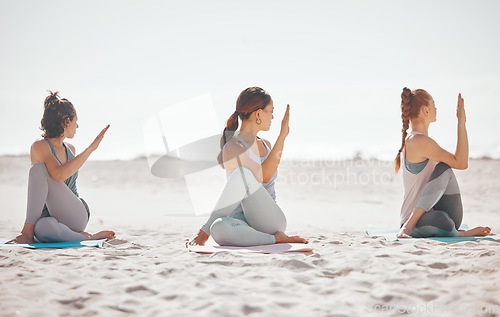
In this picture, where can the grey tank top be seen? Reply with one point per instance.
(269, 186)
(70, 181)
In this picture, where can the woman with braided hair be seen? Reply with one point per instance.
(246, 212)
(432, 205)
(55, 212)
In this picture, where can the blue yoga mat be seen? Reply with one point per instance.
(57, 245)
(391, 235)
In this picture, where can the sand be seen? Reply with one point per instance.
(147, 270)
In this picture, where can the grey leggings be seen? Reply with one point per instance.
(442, 202)
(263, 216)
(68, 214)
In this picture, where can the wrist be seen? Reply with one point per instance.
(88, 151)
(281, 138)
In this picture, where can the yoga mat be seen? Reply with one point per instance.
(57, 245)
(211, 247)
(391, 235)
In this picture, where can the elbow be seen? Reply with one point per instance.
(58, 178)
(266, 179)
(461, 166)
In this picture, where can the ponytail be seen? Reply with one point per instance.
(227, 134)
(249, 100)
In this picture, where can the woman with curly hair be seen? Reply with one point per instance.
(432, 204)
(246, 213)
(55, 212)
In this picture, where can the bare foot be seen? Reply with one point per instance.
(100, 235)
(281, 237)
(477, 231)
(21, 239)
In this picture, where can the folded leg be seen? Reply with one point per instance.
(61, 202)
(435, 223)
(48, 229)
(235, 232)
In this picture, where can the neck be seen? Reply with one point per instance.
(57, 142)
(420, 126)
(249, 128)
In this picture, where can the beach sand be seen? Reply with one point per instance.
(147, 271)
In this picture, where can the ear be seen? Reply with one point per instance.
(67, 121)
(257, 113)
(425, 111)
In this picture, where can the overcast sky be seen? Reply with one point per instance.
(340, 64)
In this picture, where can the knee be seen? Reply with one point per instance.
(441, 168)
(45, 229)
(249, 177)
(38, 168)
(443, 221)
(220, 232)
(242, 170)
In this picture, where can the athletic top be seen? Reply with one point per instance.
(269, 186)
(70, 181)
(414, 182)
(415, 168)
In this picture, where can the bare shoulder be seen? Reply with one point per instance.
(419, 140)
(71, 147)
(39, 145)
(267, 142)
(233, 146)
(39, 149)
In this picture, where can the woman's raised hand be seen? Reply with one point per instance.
(94, 145)
(200, 239)
(284, 123)
(460, 110)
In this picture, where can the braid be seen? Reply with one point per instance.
(406, 98)
(227, 134)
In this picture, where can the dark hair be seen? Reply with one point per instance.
(56, 112)
(249, 100)
(411, 102)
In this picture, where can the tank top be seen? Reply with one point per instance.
(413, 183)
(70, 181)
(269, 186)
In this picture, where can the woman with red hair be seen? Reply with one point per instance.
(432, 204)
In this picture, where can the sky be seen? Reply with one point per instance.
(341, 65)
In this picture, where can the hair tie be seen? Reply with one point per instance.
(236, 113)
(399, 151)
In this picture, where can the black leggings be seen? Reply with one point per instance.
(442, 203)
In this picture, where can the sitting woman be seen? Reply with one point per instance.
(55, 213)
(246, 212)
(432, 204)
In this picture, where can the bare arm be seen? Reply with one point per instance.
(429, 148)
(40, 152)
(270, 165)
(409, 225)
